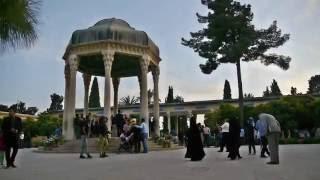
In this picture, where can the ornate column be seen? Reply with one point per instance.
(86, 82)
(144, 64)
(66, 99)
(169, 122)
(115, 82)
(155, 75)
(108, 57)
(73, 67)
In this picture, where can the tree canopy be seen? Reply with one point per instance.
(18, 21)
(314, 85)
(230, 37)
(56, 102)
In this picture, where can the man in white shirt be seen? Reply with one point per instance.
(144, 135)
(225, 135)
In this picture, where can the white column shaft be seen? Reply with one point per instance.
(86, 82)
(155, 74)
(144, 63)
(73, 65)
(108, 60)
(66, 100)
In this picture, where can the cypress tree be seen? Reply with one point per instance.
(275, 90)
(94, 99)
(266, 93)
(227, 90)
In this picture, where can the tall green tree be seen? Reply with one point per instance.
(56, 102)
(293, 91)
(178, 99)
(227, 90)
(231, 37)
(314, 85)
(266, 93)
(18, 21)
(275, 90)
(170, 97)
(94, 98)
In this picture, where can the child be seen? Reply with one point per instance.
(2, 149)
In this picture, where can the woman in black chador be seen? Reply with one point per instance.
(234, 139)
(194, 144)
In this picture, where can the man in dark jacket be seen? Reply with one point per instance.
(249, 132)
(119, 120)
(11, 129)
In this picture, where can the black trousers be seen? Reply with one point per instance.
(224, 141)
(11, 143)
(264, 143)
(251, 144)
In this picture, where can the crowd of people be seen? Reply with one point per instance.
(132, 134)
(230, 134)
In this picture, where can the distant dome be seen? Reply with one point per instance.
(113, 30)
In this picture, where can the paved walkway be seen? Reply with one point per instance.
(297, 162)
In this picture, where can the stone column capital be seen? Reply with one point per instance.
(155, 70)
(73, 62)
(108, 57)
(144, 63)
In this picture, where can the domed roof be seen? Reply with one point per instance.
(113, 30)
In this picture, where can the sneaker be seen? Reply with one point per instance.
(82, 157)
(13, 165)
(263, 156)
(89, 156)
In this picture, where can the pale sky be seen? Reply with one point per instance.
(31, 75)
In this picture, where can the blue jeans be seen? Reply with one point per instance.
(145, 142)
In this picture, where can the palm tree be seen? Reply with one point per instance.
(127, 100)
(18, 20)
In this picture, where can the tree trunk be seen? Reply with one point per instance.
(240, 92)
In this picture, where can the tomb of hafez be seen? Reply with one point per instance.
(111, 49)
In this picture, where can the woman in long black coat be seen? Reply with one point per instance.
(234, 139)
(194, 143)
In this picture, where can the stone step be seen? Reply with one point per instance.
(114, 143)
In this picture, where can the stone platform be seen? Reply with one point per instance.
(297, 162)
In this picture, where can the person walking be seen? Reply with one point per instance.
(103, 137)
(194, 144)
(234, 139)
(206, 135)
(249, 133)
(11, 128)
(261, 126)
(273, 134)
(225, 136)
(84, 130)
